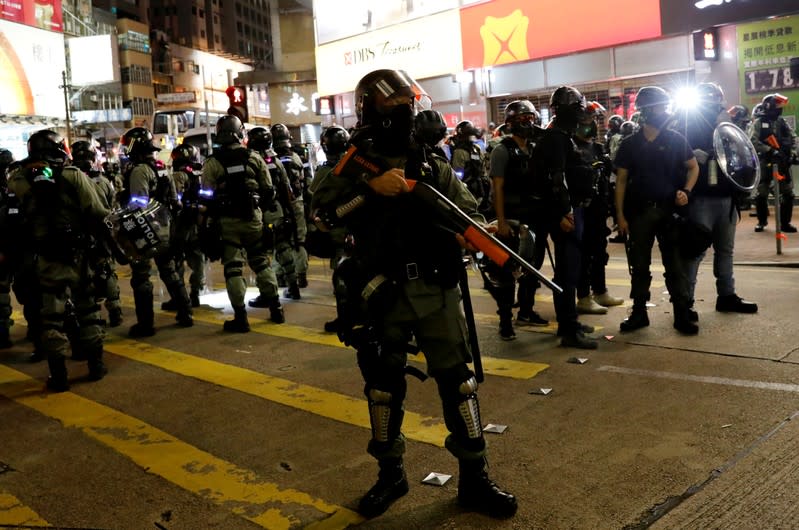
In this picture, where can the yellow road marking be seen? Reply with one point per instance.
(14, 513)
(194, 470)
(324, 403)
(491, 365)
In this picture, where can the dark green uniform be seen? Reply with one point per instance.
(760, 129)
(239, 179)
(107, 282)
(296, 174)
(280, 215)
(186, 230)
(62, 213)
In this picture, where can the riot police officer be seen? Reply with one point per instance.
(187, 174)
(242, 190)
(145, 179)
(298, 171)
(430, 130)
(614, 128)
(278, 217)
(62, 208)
(86, 158)
(9, 246)
(566, 191)
(597, 167)
(739, 115)
(335, 141)
(775, 142)
(410, 266)
(655, 173)
(712, 203)
(515, 198)
(468, 162)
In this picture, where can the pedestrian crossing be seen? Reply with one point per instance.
(228, 485)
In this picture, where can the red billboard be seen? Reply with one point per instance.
(509, 31)
(44, 14)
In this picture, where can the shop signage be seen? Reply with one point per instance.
(686, 16)
(176, 97)
(765, 50)
(31, 62)
(509, 31)
(291, 103)
(42, 14)
(425, 47)
(102, 115)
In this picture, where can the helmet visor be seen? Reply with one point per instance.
(399, 89)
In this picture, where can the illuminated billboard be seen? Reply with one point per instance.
(509, 31)
(31, 62)
(42, 14)
(685, 16)
(102, 68)
(425, 47)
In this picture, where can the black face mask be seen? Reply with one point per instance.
(774, 113)
(392, 136)
(587, 130)
(657, 120)
(522, 129)
(567, 118)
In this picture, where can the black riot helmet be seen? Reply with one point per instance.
(429, 127)
(386, 102)
(757, 111)
(281, 135)
(773, 104)
(229, 130)
(739, 115)
(567, 105)
(334, 141)
(711, 97)
(520, 118)
(138, 143)
(627, 128)
(260, 139)
(653, 102)
(84, 155)
(184, 155)
(465, 129)
(614, 123)
(48, 146)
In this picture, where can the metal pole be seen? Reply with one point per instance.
(66, 88)
(775, 172)
(207, 118)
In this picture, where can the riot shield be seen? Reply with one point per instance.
(141, 232)
(736, 156)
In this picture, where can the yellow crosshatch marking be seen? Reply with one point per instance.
(193, 469)
(14, 513)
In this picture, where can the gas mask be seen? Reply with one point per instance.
(656, 120)
(522, 126)
(392, 135)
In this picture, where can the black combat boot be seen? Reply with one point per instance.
(276, 311)
(169, 305)
(239, 324)
(734, 304)
(786, 214)
(302, 280)
(57, 382)
(94, 359)
(682, 320)
(194, 297)
(638, 318)
(331, 326)
(115, 317)
(391, 485)
(5, 338)
(144, 315)
(184, 318)
(477, 492)
(761, 207)
(292, 292)
(260, 301)
(281, 281)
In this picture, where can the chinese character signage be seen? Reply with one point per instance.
(765, 50)
(686, 16)
(31, 62)
(509, 31)
(43, 14)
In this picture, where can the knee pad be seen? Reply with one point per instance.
(385, 408)
(457, 387)
(233, 269)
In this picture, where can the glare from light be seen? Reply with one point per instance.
(686, 98)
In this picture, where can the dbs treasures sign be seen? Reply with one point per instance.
(685, 16)
(425, 47)
(508, 31)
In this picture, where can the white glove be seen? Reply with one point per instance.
(701, 156)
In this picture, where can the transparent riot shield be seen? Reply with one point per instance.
(736, 156)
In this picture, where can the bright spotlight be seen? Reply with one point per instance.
(686, 98)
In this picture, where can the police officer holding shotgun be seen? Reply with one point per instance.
(404, 269)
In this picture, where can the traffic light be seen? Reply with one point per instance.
(238, 102)
(706, 45)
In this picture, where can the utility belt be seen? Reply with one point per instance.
(240, 207)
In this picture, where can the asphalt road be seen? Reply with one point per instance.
(196, 428)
